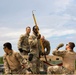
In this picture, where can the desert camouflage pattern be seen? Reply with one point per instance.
(68, 57)
(59, 70)
(24, 44)
(34, 49)
(13, 63)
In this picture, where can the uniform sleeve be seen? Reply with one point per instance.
(20, 58)
(6, 66)
(59, 53)
(32, 41)
(20, 41)
(48, 48)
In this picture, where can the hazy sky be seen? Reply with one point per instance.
(56, 20)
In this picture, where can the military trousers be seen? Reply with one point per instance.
(59, 70)
(34, 65)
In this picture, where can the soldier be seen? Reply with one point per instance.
(13, 61)
(69, 57)
(34, 51)
(23, 45)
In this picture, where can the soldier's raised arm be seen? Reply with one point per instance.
(32, 40)
(59, 52)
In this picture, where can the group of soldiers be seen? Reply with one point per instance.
(29, 45)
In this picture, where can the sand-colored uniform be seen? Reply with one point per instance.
(13, 63)
(68, 67)
(34, 49)
(24, 44)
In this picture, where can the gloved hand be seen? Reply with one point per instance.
(30, 57)
(39, 36)
(43, 54)
(20, 49)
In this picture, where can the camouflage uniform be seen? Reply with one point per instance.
(68, 67)
(34, 49)
(23, 44)
(13, 63)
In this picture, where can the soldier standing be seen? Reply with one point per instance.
(34, 41)
(23, 45)
(13, 61)
(69, 57)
